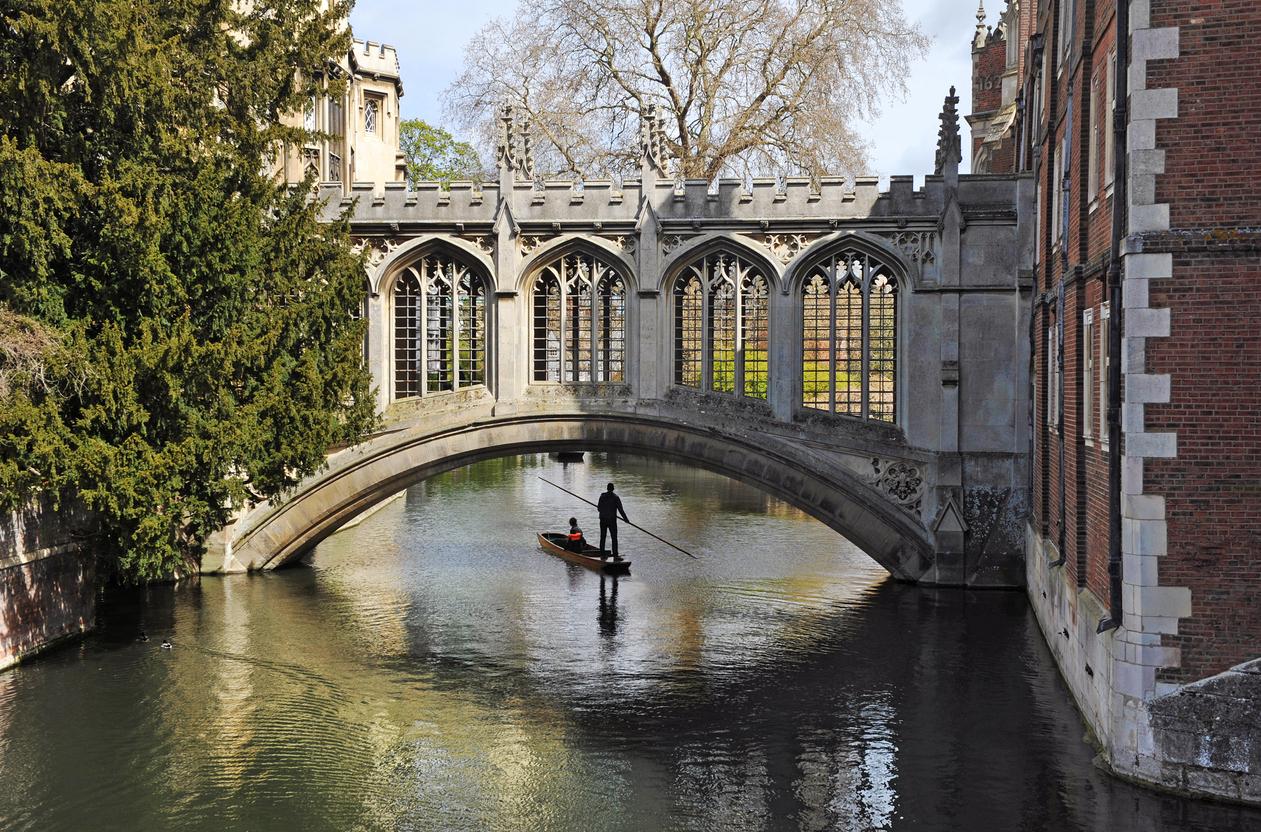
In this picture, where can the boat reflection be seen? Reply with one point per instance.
(608, 607)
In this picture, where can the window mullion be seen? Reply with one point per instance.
(422, 312)
(864, 292)
(596, 308)
(833, 296)
(707, 335)
(738, 347)
(457, 327)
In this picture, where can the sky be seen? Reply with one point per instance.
(431, 36)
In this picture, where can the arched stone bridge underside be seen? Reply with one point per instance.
(860, 353)
(858, 481)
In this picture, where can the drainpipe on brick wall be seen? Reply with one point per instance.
(1116, 318)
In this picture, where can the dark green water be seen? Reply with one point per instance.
(431, 669)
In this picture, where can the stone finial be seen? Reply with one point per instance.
(652, 140)
(525, 147)
(949, 149)
(982, 31)
(503, 143)
(514, 150)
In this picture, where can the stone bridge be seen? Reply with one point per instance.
(858, 352)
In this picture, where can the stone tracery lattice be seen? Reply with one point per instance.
(849, 336)
(721, 326)
(439, 315)
(579, 321)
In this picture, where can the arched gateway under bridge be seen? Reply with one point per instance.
(854, 351)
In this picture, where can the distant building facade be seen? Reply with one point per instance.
(355, 134)
(1144, 535)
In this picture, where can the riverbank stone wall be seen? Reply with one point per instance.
(47, 580)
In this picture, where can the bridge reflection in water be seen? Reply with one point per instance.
(432, 669)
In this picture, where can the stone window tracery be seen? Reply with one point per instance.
(439, 327)
(579, 319)
(849, 337)
(721, 325)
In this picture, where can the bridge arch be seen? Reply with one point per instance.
(574, 244)
(579, 319)
(714, 242)
(719, 313)
(417, 247)
(868, 305)
(437, 319)
(359, 477)
(863, 241)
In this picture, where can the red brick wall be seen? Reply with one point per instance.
(988, 65)
(1213, 488)
(1213, 149)
(1213, 155)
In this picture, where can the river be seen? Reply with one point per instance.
(431, 669)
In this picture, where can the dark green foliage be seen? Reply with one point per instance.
(434, 155)
(176, 327)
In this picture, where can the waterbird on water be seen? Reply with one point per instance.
(166, 644)
(143, 636)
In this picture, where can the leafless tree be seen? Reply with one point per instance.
(745, 85)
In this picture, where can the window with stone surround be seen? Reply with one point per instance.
(439, 326)
(721, 325)
(579, 321)
(1056, 193)
(1092, 165)
(1104, 362)
(372, 107)
(754, 332)
(1087, 372)
(1109, 134)
(850, 337)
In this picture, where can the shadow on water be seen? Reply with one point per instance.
(432, 669)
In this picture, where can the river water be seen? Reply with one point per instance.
(432, 669)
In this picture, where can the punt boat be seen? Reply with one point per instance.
(554, 543)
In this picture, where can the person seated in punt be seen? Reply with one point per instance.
(574, 541)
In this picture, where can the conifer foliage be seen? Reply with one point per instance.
(177, 329)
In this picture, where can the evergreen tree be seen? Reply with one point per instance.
(180, 332)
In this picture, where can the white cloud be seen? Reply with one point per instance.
(431, 36)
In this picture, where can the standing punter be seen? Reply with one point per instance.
(610, 506)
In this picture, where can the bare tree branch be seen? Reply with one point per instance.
(776, 84)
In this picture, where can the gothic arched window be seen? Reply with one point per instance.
(721, 322)
(579, 316)
(439, 327)
(849, 337)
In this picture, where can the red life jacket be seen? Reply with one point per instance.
(575, 536)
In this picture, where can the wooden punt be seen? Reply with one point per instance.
(554, 543)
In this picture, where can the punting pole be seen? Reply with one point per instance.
(627, 522)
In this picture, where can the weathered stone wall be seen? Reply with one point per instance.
(1201, 738)
(47, 582)
(1208, 734)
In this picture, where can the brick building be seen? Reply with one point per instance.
(1144, 536)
